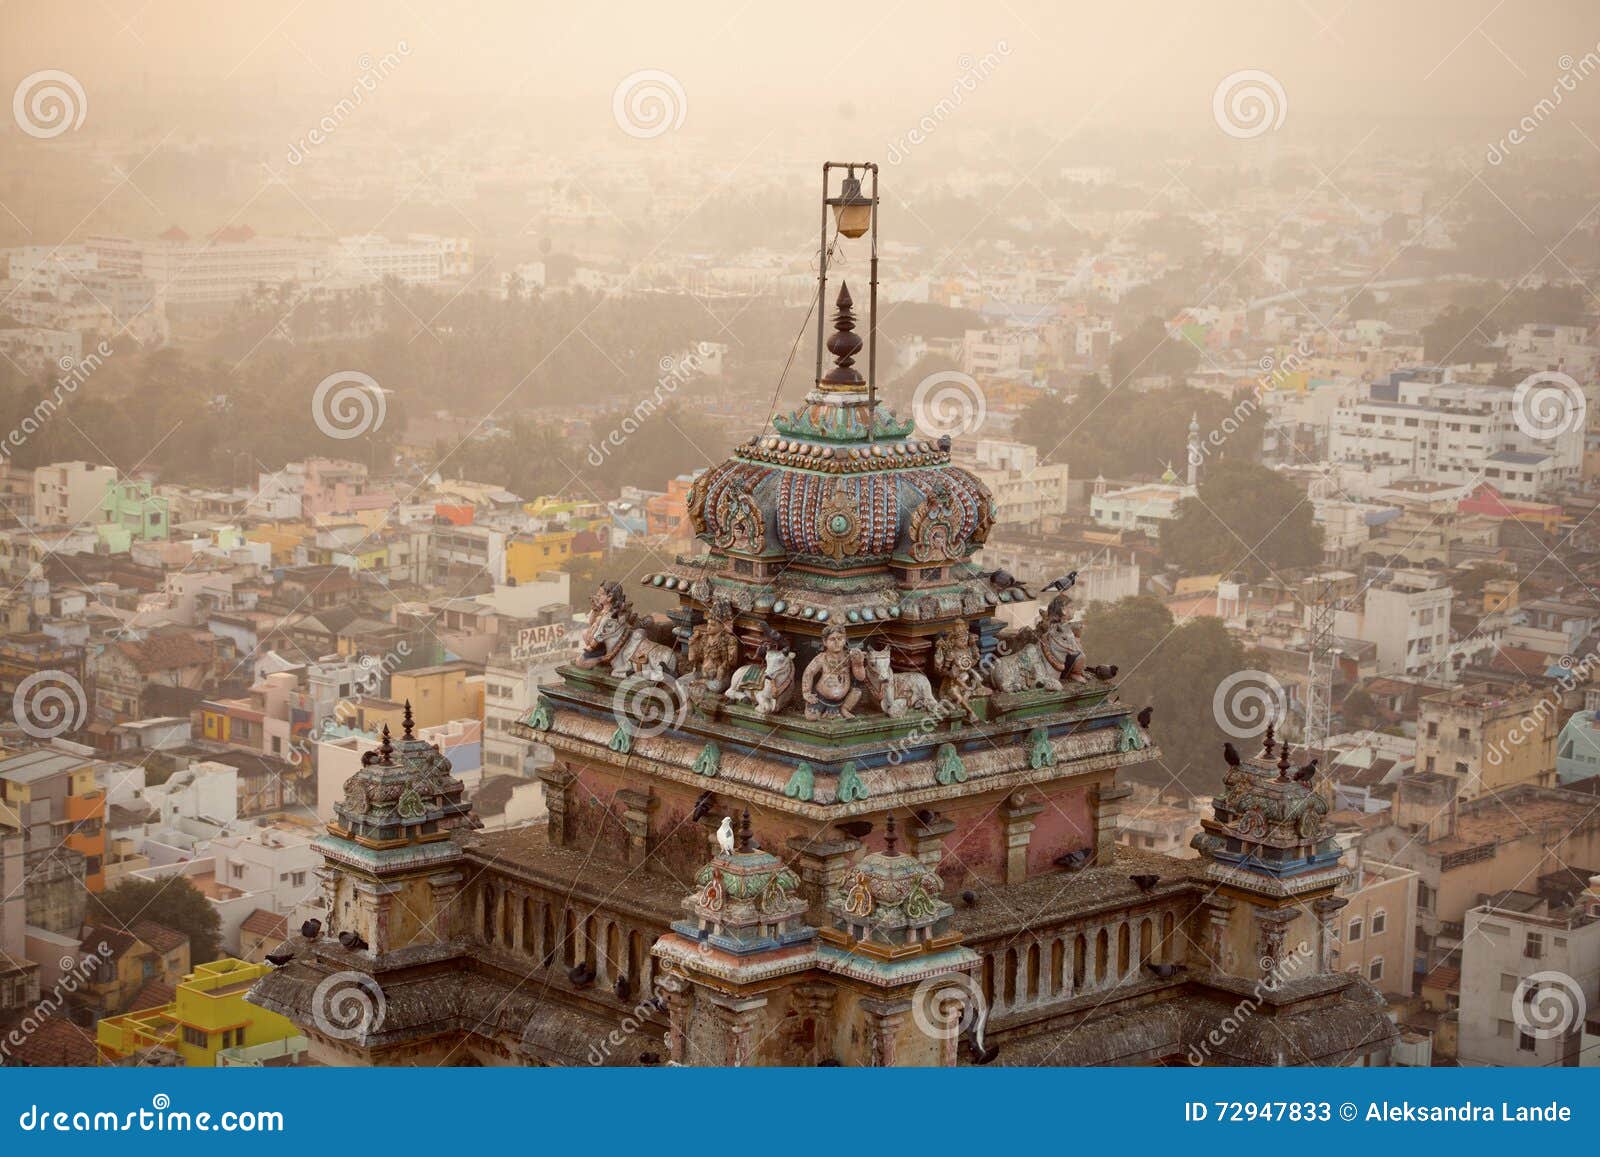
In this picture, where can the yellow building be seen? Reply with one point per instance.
(439, 694)
(208, 1015)
(530, 555)
(282, 538)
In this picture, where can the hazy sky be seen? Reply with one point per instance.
(749, 69)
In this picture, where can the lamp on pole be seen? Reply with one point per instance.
(855, 215)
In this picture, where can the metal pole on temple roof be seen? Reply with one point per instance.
(872, 319)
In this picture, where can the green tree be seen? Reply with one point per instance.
(1149, 351)
(1245, 518)
(1175, 669)
(173, 902)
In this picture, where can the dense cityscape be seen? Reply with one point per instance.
(498, 595)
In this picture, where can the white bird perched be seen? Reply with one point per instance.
(725, 835)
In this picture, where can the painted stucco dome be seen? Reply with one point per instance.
(842, 482)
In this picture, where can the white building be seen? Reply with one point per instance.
(1024, 490)
(1144, 507)
(1529, 971)
(1407, 617)
(69, 493)
(1445, 431)
(510, 686)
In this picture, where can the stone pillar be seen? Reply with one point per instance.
(1214, 935)
(1017, 815)
(884, 1018)
(445, 890)
(636, 809)
(951, 1002)
(1272, 926)
(927, 840)
(1107, 803)
(740, 1017)
(816, 999)
(1326, 911)
(558, 779)
(514, 941)
(1091, 958)
(677, 992)
(821, 865)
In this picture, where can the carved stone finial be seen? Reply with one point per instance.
(1266, 747)
(406, 723)
(385, 747)
(744, 831)
(844, 344)
(889, 837)
(1283, 763)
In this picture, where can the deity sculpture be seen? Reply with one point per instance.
(610, 624)
(1059, 642)
(830, 686)
(955, 661)
(713, 651)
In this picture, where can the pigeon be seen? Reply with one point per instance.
(1104, 674)
(1065, 582)
(279, 959)
(311, 929)
(1145, 881)
(352, 941)
(970, 899)
(725, 836)
(582, 976)
(925, 817)
(1230, 753)
(702, 806)
(1144, 717)
(983, 1054)
(1074, 861)
(1307, 772)
(944, 442)
(1165, 971)
(649, 1058)
(855, 829)
(624, 989)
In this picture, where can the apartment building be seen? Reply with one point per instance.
(70, 493)
(1488, 739)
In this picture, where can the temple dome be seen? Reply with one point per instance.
(842, 482)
